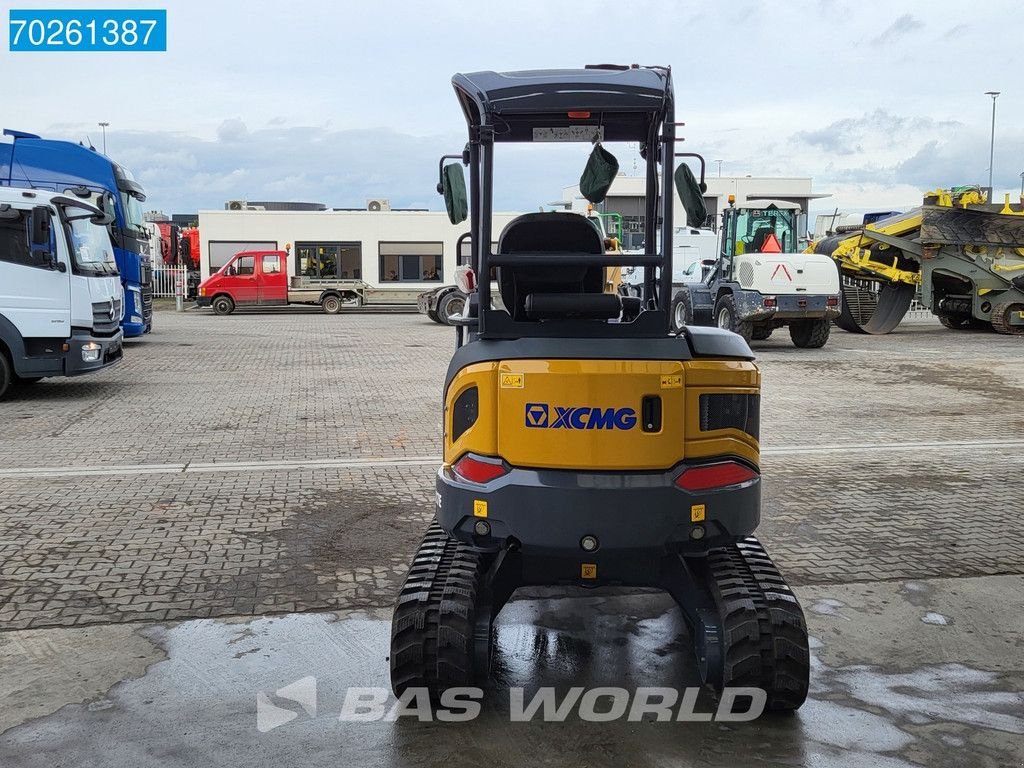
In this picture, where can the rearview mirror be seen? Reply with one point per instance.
(708, 263)
(41, 225)
(453, 187)
(690, 195)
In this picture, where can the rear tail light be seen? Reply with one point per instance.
(770, 301)
(714, 476)
(832, 301)
(479, 469)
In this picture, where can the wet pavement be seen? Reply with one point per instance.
(890, 687)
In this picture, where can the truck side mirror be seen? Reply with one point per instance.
(41, 222)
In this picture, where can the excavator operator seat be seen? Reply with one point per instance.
(536, 292)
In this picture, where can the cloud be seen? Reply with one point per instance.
(854, 135)
(903, 26)
(183, 173)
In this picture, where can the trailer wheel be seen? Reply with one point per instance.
(725, 317)
(331, 304)
(810, 334)
(223, 305)
(6, 374)
(450, 307)
(682, 314)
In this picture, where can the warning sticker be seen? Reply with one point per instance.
(697, 513)
(479, 508)
(672, 382)
(588, 570)
(512, 380)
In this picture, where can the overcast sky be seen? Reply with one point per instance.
(340, 101)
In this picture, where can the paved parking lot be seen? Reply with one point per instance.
(272, 463)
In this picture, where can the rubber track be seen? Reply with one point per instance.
(432, 626)
(1000, 314)
(764, 633)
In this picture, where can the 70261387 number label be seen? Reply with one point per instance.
(87, 30)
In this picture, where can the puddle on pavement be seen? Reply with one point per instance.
(199, 705)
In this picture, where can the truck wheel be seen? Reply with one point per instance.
(681, 313)
(6, 375)
(450, 307)
(223, 305)
(761, 332)
(331, 304)
(810, 334)
(725, 317)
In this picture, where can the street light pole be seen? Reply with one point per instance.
(103, 127)
(719, 168)
(992, 143)
(1022, 185)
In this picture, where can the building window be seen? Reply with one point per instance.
(221, 251)
(329, 261)
(411, 262)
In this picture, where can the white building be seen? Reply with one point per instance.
(391, 249)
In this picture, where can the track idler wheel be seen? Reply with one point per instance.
(763, 635)
(440, 633)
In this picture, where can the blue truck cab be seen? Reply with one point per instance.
(27, 160)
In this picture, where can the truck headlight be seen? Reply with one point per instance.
(202, 290)
(91, 352)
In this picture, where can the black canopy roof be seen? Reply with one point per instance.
(626, 101)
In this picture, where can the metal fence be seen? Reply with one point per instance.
(166, 279)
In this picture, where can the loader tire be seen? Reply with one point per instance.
(6, 374)
(682, 312)
(726, 317)
(432, 630)
(810, 334)
(761, 332)
(1001, 314)
(764, 635)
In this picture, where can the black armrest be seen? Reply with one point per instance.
(588, 306)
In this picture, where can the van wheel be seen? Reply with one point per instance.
(810, 334)
(6, 375)
(682, 314)
(725, 317)
(450, 307)
(223, 305)
(331, 304)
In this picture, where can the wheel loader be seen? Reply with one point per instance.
(585, 443)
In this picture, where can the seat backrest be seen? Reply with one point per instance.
(546, 233)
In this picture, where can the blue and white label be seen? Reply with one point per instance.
(545, 416)
(87, 30)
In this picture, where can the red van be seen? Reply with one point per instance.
(260, 279)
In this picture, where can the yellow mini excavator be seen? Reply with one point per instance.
(585, 444)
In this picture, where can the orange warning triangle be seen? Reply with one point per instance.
(771, 244)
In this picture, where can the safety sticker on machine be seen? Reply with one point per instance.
(697, 513)
(672, 382)
(588, 570)
(512, 380)
(479, 508)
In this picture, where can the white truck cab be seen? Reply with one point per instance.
(61, 300)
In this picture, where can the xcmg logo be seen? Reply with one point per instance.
(544, 416)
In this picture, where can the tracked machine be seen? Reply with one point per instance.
(585, 444)
(962, 256)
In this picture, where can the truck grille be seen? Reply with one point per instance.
(106, 315)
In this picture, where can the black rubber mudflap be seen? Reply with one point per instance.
(764, 636)
(433, 624)
(893, 301)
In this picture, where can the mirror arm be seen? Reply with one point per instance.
(440, 169)
(703, 185)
